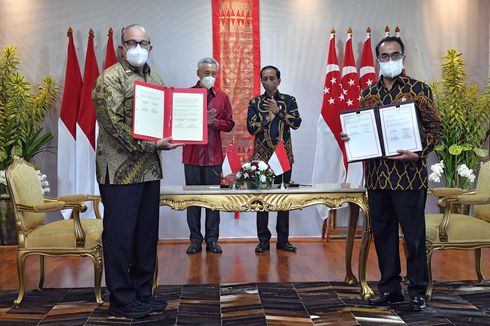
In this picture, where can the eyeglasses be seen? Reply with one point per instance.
(133, 43)
(385, 57)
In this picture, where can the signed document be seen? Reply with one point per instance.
(400, 128)
(363, 132)
(380, 132)
(149, 108)
(180, 113)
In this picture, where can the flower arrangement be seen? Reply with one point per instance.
(467, 177)
(255, 174)
(464, 110)
(3, 183)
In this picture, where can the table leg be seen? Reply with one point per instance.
(366, 291)
(350, 279)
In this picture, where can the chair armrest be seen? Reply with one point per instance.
(51, 206)
(96, 201)
(445, 192)
(473, 199)
(79, 198)
(74, 198)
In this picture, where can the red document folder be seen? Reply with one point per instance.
(170, 128)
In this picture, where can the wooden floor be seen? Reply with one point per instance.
(315, 261)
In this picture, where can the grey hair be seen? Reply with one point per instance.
(131, 26)
(204, 61)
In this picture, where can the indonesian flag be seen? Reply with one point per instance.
(231, 163)
(352, 95)
(110, 55)
(367, 75)
(85, 172)
(279, 161)
(67, 162)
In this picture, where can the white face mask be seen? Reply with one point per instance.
(137, 56)
(391, 68)
(208, 81)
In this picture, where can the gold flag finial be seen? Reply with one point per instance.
(91, 32)
(69, 32)
(332, 31)
(349, 30)
(368, 30)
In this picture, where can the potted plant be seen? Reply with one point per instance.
(21, 117)
(465, 113)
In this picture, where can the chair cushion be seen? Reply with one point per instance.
(61, 234)
(462, 228)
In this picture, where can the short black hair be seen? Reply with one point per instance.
(278, 73)
(390, 39)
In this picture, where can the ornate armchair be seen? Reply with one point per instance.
(72, 237)
(460, 231)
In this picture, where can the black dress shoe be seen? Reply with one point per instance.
(213, 247)
(133, 310)
(262, 246)
(387, 298)
(155, 303)
(194, 248)
(287, 247)
(418, 303)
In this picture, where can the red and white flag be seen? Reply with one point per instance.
(231, 163)
(352, 95)
(279, 161)
(86, 180)
(328, 165)
(67, 162)
(110, 54)
(350, 81)
(367, 74)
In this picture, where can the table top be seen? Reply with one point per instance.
(299, 189)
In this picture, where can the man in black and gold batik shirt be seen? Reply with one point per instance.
(128, 173)
(397, 186)
(270, 119)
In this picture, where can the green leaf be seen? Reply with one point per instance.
(439, 147)
(466, 147)
(455, 149)
(480, 152)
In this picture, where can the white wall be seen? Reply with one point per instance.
(294, 37)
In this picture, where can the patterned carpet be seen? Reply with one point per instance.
(319, 303)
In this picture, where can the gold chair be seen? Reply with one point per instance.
(72, 237)
(460, 231)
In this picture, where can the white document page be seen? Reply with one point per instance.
(187, 115)
(363, 133)
(400, 129)
(148, 111)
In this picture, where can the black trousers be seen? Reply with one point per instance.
(388, 209)
(202, 175)
(130, 237)
(282, 225)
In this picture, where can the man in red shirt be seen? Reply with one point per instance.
(202, 163)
